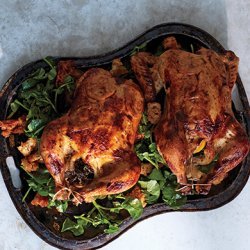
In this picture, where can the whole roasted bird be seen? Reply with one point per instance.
(89, 151)
(197, 129)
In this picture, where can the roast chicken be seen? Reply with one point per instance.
(197, 128)
(89, 150)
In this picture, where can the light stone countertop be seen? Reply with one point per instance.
(30, 30)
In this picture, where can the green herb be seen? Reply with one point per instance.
(61, 206)
(151, 189)
(136, 49)
(77, 228)
(207, 168)
(133, 206)
(162, 184)
(157, 175)
(38, 97)
(145, 148)
(172, 198)
(69, 85)
(52, 72)
(42, 182)
(100, 215)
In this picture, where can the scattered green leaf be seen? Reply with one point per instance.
(136, 49)
(61, 206)
(207, 168)
(173, 198)
(76, 228)
(108, 215)
(145, 148)
(151, 189)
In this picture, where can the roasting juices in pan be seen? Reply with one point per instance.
(107, 142)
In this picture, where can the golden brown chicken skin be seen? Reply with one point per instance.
(197, 111)
(89, 151)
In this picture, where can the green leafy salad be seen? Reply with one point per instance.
(38, 98)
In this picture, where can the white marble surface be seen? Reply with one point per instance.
(32, 29)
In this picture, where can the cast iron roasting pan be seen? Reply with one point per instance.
(220, 195)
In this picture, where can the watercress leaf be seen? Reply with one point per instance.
(42, 178)
(69, 80)
(34, 125)
(134, 207)
(59, 91)
(115, 209)
(159, 158)
(82, 222)
(151, 189)
(77, 231)
(61, 206)
(49, 61)
(162, 183)
(29, 83)
(170, 177)
(172, 198)
(68, 224)
(100, 218)
(112, 229)
(52, 74)
(157, 175)
(152, 147)
(34, 112)
(75, 228)
(144, 119)
(39, 74)
(43, 192)
(49, 86)
(14, 106)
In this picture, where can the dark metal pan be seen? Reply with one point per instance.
(219, 196)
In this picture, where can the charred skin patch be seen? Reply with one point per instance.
(101, 139)
(118, 120)
(80, 136)
(115, 186)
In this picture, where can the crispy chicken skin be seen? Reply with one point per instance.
(99, 132)
(197, 107)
